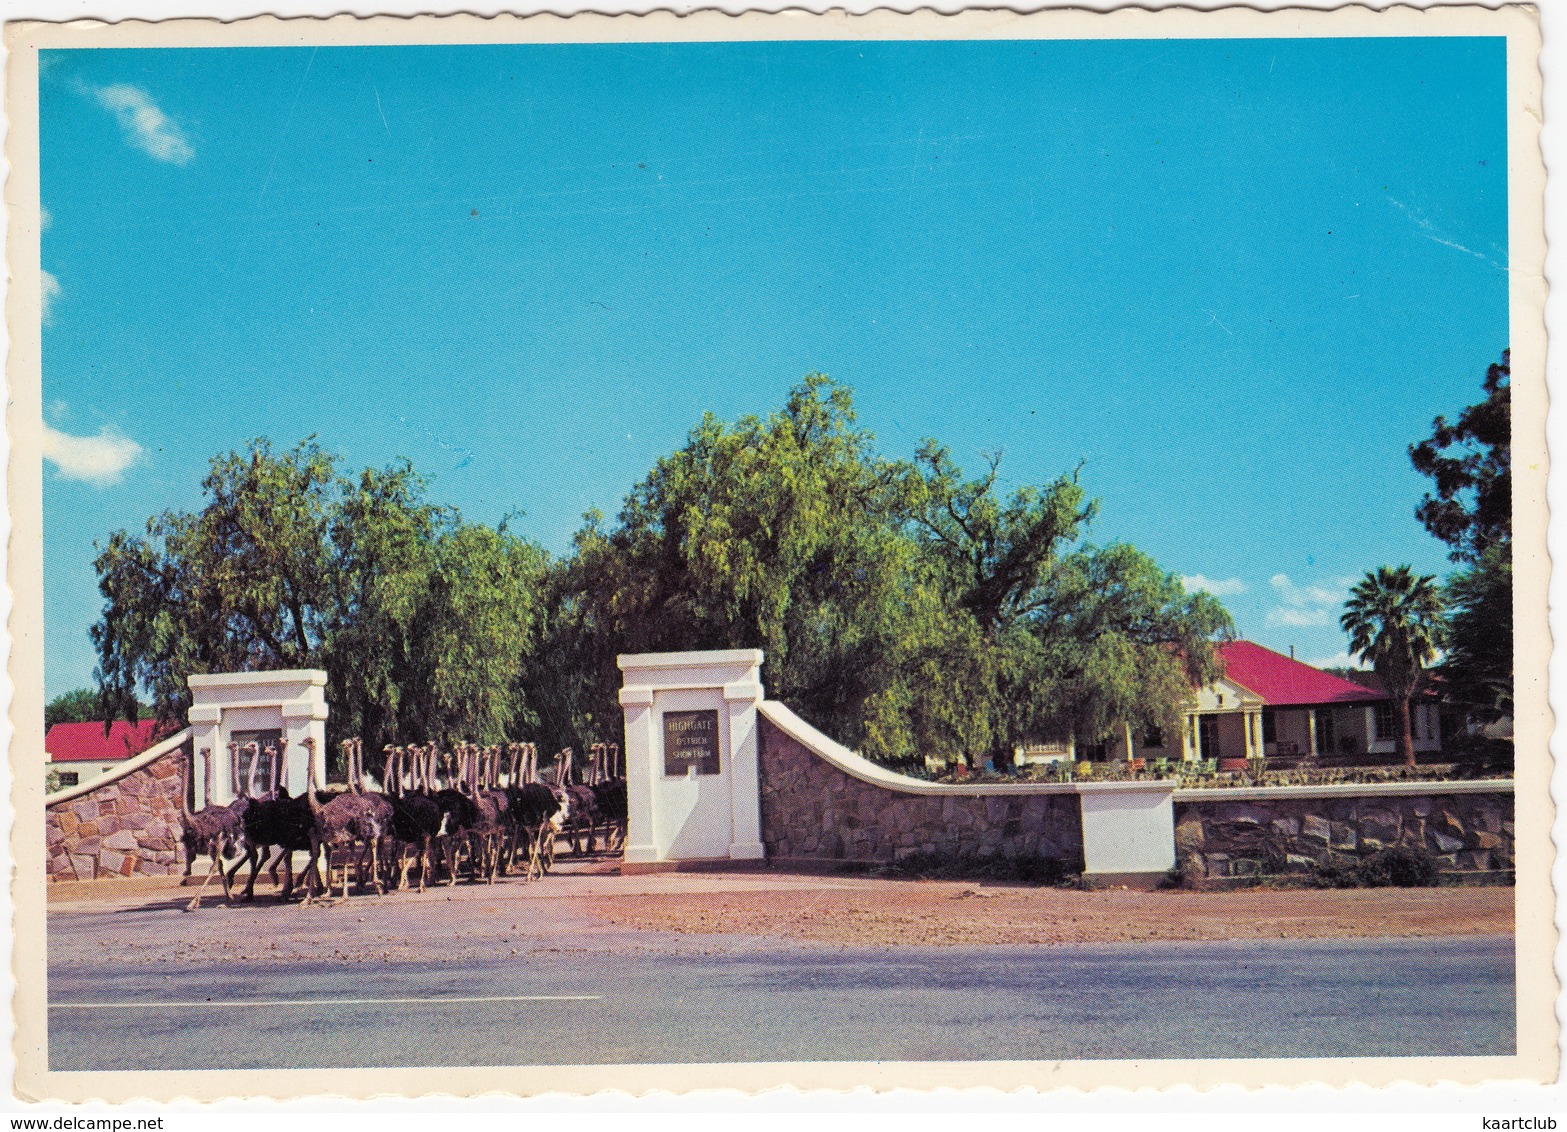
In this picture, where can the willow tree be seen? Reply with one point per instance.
(1080, 639)
(771, 532)
(419, 619)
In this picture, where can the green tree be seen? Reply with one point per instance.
(1470, 461)
(1124, 642)
(474, 628)
(79, 705)
(419, 619)
(773, 533)
(1079, 639)
(994, 552)
(903, 609)
(245, 584)
(1477, 669)
(1471, 510)
(1394, 620)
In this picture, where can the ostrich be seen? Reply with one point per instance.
(282, 822)
(537, 812)
(344, 821)
(416, 819)
(461, 815)
(278, 791)
(609, 794)
(584, 806)
(378, 804)
(489, 793)
(485, 828)
(214, 831)
(513, 789)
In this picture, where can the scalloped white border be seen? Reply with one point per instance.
(1181, 1076)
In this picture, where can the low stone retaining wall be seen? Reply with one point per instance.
(811, 810)
(125, 825)
(1465, 830)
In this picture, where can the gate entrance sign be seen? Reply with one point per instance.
(690, 743)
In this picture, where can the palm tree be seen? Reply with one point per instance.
(1394, 620)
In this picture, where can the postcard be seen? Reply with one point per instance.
(663, 553)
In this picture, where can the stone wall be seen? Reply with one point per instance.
(127, 827)
(811, 810)
(1464, 832)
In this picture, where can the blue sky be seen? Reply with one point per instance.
(1237, 277)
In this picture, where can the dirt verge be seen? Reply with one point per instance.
(942, 913)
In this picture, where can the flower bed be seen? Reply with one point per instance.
(1188, 779)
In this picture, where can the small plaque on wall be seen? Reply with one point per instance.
(690, 740)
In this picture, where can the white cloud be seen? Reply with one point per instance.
(1310, 605)
(1337, 660)
(50, 288)
(99, 460)
(1302, 618)
(1334, 592)
(146, 126)
(1219, 587)
(45, 218)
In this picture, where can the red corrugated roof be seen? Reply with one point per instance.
(86, 742)
(1284, 682)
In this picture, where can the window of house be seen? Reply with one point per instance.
(69, 778)
(1154, 737)
(1270, 729)
(1386, 725)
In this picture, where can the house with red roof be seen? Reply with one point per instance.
(1271, 705)
(78, 752)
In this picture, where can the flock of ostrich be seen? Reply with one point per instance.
(483, 811)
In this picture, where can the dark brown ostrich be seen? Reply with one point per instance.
(416, 820)
(489, 794)
(609, 793)
(485, 829)
(213, 831)
(378, 805)
(584, 806)
(344, 822)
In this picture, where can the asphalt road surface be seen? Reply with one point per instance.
(615, 997)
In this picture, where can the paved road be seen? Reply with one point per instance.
(763, 1001)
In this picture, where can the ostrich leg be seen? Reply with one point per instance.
(195, 901)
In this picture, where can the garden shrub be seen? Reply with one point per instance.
(939, 866)
(1400, 867)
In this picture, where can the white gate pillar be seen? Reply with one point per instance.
(692, 779)
(226, 706)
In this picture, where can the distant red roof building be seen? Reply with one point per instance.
(86, 742)
(1282, 681)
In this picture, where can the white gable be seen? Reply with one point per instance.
(1225, 695)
